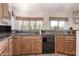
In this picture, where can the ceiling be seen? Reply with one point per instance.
(24, 8)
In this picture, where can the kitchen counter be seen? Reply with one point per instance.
(21, 34)
(68, 34)
(6, 38)
(64, 34)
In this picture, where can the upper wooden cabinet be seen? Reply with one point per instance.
(4, 12)
(1, 11)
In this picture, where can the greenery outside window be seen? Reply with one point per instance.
(57, 25)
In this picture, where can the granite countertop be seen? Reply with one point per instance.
(65, 34)
(6, 38)
(26, 34)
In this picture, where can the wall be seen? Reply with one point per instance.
(13, 19)
(45, 15)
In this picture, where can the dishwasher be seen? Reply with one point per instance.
(48, 44)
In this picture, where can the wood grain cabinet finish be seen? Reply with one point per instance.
(1, 10)
(16, 45)
(59, 44)
(69, 48)
(4, 48)
(10, 47)
(5, 52)
(26, 46)
(4, 11)
(31, 44)
(37, 47)
(66, 44)
(70, 45)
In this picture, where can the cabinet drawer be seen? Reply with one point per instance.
(67, 37)
(73, 38)
(36, 40)
(70, 37)
(31, 37)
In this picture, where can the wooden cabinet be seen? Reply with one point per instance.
(37, 47)
(4, 48)
(59, 44)
(1, 11)
(66, 44)
(26, 46)
(69, 48)
(10, 47)
(23, 45)
(31, 44)
(70, 45)
(4, 12)
(5, 52)
(16, 45)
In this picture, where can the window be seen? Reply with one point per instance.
(57, 25)
(33, 25)
(39, 25)
(61, 25)
(29, 25)
(25, 25)
(54, 25)
(36, 25)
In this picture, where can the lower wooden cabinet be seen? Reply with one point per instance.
(26, 46)
(59, 44)
(23, 45)
(4, 47)
(70, 48)
(5, 52)
(16, 45)
(31, 44)
(10, 47)
(66, 44)
(37, 47)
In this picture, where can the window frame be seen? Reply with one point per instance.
(29, 24)
(57, 23)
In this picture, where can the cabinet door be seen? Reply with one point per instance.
(16, 45)
(5, 52)
(37, 47)
(59, 44)
(70, 48)
(10, 47)
(26, 46)
(1, 10)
